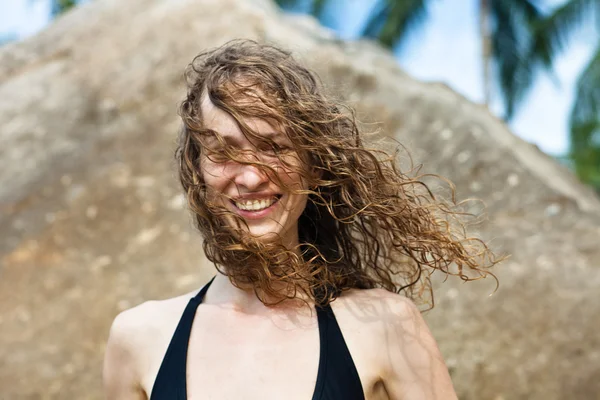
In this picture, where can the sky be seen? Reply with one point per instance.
(445, 49)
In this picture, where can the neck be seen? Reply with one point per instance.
(292, 241)
(223, 293)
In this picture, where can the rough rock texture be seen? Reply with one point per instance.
(92, 221)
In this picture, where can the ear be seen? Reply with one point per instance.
(315, 174)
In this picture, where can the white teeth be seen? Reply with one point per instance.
(255, 205)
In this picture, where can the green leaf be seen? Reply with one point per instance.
(585, 124)
(512, 42)
(61, 6)
(317, 7)
(285, 3)
(565, 20)
(393, 20)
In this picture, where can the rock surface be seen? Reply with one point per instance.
(92, 221)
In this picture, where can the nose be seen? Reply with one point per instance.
(250, 177)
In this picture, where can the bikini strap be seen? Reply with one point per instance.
(171, 382)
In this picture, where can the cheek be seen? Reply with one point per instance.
(295, 181)
(213, 174)
(215, 180)
(292, 175)
(291, 179)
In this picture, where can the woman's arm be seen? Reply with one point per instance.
(120, 370)
(414, 367)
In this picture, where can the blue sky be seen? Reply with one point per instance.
(445, 49)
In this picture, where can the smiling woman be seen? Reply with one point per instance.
(312, 235)
(267, 207)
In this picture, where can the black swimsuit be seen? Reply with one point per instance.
(337, 378)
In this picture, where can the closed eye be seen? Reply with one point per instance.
(274, 148)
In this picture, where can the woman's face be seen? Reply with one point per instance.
(268, 209)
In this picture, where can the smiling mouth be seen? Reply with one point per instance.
(256, 204)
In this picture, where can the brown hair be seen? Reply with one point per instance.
(366, 224)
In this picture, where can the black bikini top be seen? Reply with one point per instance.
(337, 377)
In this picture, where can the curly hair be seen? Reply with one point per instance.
(366, 224)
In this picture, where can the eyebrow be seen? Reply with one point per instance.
(231, 140)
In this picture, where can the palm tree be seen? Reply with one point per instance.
(508, 40)
(60, 6)
(518, 41)
(584, 120)
(584, 124)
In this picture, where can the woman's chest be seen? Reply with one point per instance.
(279, 360)
(253, 359)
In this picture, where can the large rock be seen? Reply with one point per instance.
(92, 221)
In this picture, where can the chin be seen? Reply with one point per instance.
(268, 234)
(265, 236)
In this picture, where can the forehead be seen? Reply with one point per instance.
(220, 121)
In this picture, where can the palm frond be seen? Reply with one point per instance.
(512, 49)
(539, 47)
(317, 7)
(60, 6)
(392, 20)
(285, 3)
(376, 20)
(565, 20)
(585, 123)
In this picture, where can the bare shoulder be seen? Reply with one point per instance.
(384, 316)
(409, 359)
(399, 318)
(379, 306)
(133, 327)
(137, 341)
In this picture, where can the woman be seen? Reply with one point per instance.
(313, 237)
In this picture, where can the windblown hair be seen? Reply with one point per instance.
(366, 223)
